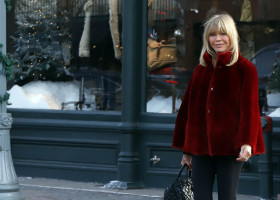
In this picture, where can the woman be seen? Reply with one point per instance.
(218, 125)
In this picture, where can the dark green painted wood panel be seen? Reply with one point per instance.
(67, 152)
(88, 149)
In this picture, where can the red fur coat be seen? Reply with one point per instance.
(220, 111)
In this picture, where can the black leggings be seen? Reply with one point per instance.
(204, 169)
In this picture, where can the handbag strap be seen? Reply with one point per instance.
(188, 171)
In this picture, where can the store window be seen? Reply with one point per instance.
(175, 39)
(67, 54)
(167, 73)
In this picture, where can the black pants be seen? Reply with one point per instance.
(204, 170)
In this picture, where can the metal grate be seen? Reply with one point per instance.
(74, 7)
(23, 8)
(163, 9)
(100, 7)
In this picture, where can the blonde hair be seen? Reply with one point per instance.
(220, 23)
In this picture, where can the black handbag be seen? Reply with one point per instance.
(181, 188)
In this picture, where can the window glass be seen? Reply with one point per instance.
(67, 54)
(175, 41)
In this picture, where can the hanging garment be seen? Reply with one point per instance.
(246, 12)
(246, 31)
(114, 27)
(84, 47)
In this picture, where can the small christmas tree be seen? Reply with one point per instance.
(274, 80)
(40, 42)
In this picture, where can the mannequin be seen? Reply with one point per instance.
(114, 22)
(84, 47)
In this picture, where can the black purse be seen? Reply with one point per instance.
(181, 188)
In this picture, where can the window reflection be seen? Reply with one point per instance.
(167, 74)
(179, 23)
(67, 54)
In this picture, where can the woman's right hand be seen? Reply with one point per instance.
(187, 159)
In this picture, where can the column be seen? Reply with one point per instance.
(265, 161)
(9, 187)
(128, 161)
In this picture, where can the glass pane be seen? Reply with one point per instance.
(67, 54)
(167, 73)
(179, 23)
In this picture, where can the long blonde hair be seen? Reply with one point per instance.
(223, 23)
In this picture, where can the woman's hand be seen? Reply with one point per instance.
(245, 153)
(187, 159)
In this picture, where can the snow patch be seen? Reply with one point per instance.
(273, 99)
(160, 104)
(19, 99)
(275, 113)
(50, 95)
(47, 95)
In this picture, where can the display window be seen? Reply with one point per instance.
(174, 42)
(67, 54)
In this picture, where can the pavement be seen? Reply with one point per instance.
(54, 189)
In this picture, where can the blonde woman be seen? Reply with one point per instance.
(218, 125)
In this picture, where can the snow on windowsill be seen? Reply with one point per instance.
(46, 95)
(50, 95)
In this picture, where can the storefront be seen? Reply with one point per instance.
(98, 84)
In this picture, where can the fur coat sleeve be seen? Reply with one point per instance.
(181, 120)
(249, 128)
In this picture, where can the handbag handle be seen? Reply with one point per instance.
(188, 171)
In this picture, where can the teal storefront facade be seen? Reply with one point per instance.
(129, 145)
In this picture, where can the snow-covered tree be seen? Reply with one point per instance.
(274, 80)
(40, 42)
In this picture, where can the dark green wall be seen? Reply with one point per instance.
(85, 146)
(100, 146)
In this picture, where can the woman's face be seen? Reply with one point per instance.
(219, 41)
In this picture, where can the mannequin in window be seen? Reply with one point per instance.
(84, 47)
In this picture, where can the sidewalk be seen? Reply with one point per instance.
(52, 189)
